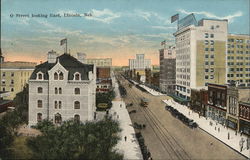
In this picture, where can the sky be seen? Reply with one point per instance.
(117, 29)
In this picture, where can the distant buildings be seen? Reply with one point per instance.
(167, 70)
(14, 76)
(100, 62)
(62, 88)
(140, 63)
(103, 81)
(238, 59)
(200, 54)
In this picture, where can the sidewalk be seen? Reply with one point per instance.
(149, 90)
(130, 148)
(215, 129)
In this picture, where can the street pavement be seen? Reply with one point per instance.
(222, 133)
(167, 137)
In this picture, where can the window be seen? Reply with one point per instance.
(77, 76)
(77, 118)
(39, 90)
(206, 35)
(40, 76)
(206, 76)
(55, 76)
(211, 42)
(206, 55)
(60, 105)
(56, 91)
(206, 49)
(77, 105)
(60, 90)
(206, 63)
(212, 63)
(12, 89)
(3, 74)
(58, 118)
(206, 42)
(39, 117)
(206, 70)
(211, 35)
(211, 49)
(55, 105)
(212, 56)
(12, 74)
(211, 76)
(3, 89)
(61, 76)
(77, 90)
(39, 103)
(211, 70)
(3, 81)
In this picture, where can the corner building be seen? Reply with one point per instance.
(238, 59)
(200, 55)
(60, 89)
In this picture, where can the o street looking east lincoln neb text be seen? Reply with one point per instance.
(51, 15)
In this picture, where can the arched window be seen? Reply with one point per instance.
(77, 76)
(60, 90)
(61, 76)
(58, 118)
(40, 90)
(60, 105)
(39, 103)
(39, 117)
(40, 76)
(55, 76)
(77, 118)
(77, 90)
(77, 105)
(56, 91)
(56, 105)
(247, 113)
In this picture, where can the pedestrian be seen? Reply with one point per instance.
(125, 138)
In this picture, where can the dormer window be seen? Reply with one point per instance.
(77, 76)
(55, 76)
(39, 76)
(61, 76)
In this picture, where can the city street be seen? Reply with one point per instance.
(166, 136)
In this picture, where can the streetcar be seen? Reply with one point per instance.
(144, 102)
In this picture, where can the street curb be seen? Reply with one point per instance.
(248, 158)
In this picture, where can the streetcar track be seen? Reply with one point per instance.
(152, 119)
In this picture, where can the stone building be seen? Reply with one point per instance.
(60, 89)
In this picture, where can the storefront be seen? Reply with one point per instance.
(232, 123)
(244, 126)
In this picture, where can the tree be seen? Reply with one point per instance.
(105, 98)
(6, 140)
(21, 103)
(76, 140)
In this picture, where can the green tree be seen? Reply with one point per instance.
(76, 140)
(21, 102)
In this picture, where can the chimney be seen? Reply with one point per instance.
(1, 56)
(52, 56)
(81, 57)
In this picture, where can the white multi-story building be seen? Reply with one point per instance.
(140, 63)
(200, 55)
(62, 88)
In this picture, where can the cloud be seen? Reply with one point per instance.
(164, 27)
(104, 16)
(56, 29)
(230, 18)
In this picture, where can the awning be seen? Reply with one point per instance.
(179, 99)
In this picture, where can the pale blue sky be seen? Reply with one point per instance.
(117, 29)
